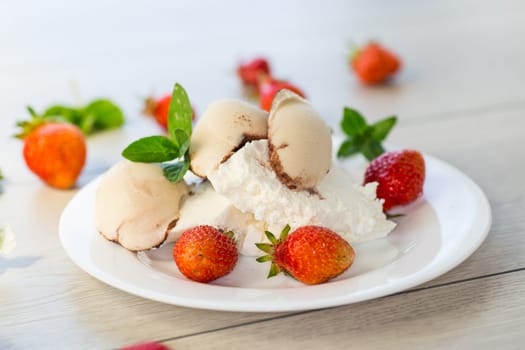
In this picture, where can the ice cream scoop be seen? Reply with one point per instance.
(225, 126)
(300, 143)
(136, 205)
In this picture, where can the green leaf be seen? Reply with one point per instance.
(175, 172)
(284, 232)
(270, 237)
(347, 149)
(179, 113)
(353, 122)
(151, 149)
(69, 114)
(264, 258)
(372, 149)
(106, 114)
(182, 140)
(274, 270)
(380, 130)
(265, 247)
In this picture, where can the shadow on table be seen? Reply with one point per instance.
(19, 262)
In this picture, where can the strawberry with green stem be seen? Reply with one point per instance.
(310, 254)
(54, 151)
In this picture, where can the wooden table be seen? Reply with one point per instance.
(460, 97)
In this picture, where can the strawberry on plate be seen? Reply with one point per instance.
(203, 253)
(269, 88)
(400, 176)
(310, 254)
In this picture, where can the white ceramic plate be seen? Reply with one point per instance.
(438, 232)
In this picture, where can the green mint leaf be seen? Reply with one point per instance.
(151, 149)
(179, 113)
(380, 129)
(182, 140)
(347, 149)
(353, 122)
(372, 149)
(106, 115)
(175, 172)
(69, 114)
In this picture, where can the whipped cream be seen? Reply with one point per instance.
(248, 182)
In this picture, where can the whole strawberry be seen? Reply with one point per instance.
(373, 64)
(203, 253)
(158, 108)
(269, 88)
(55, 151)
(311, 254)
(400, 176)
(250, 72)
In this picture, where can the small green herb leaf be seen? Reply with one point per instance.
(353, 122)
(381, 128)
(361, 137)
(175, 172)
(151, 149)
(106, 114)
(347, 149)
(182, 139)
(179, 112)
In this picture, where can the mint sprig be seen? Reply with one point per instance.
(362, 137)
(172, 150)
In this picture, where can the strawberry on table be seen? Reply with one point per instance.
(269, 88)
(374, 64)
(311, 254)
(158, 108)
(400, 176)
(203, 253)
(250, 72)
(55, 151)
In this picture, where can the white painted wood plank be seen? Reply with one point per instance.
(482, 314)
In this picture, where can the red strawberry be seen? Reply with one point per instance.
(311, 254)
(158, 108)
(250, 72)
(146, 346)
(400, 176)
(374, 64)
(54, 151)
(204, 253)
(269, 88)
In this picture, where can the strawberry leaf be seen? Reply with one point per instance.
(264, 258)
(265, 247)
(274, 270)
(151, 149)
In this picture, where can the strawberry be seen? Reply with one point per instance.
(55, 151)
(250, 72)
(269, 88)
(374, 64)
(146, 346)
(310, 254)
(203, 253)
(158, 108)
(400, 176)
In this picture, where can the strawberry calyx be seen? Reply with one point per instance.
(362, 137)
(27, 126)
(269, 249)
(150, 104)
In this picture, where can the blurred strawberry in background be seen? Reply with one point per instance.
(374, 64)
(158, 108)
